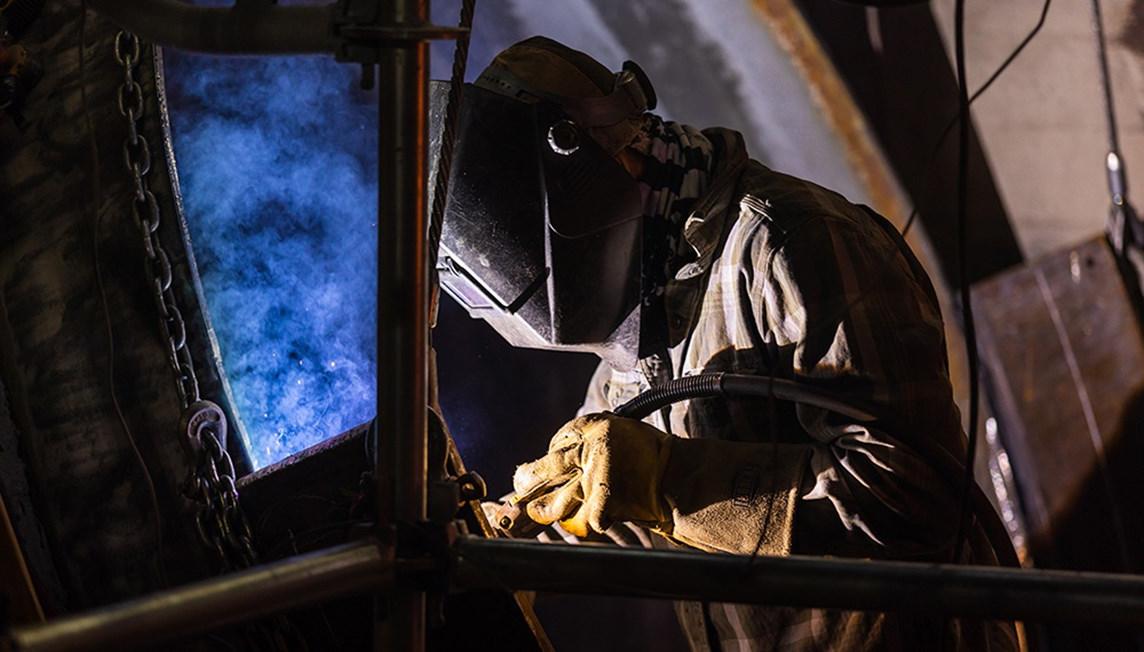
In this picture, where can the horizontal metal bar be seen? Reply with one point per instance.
(986, 592)
(262, 29)
(212, 604)
(400, 34)
(973, 591)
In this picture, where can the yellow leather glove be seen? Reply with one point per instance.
(600, 469)
(709, 494)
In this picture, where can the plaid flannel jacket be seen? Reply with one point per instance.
(790, 279)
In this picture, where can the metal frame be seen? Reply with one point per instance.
(394, 34)
(247, 28)
(271, 588)
(401, 445)
(477, 563)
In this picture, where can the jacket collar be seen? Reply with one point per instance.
(703, 232)
(703, 228)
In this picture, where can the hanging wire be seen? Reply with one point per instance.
(1105, 81)
(97, 256)
(1124, 227)
(1124, 231)
(449, 130)
(963, 274)
(973, 98)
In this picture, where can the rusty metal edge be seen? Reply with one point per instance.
(843, 116)
(206, 352)
(14, 575)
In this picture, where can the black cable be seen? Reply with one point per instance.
(1105, 79)
(709, 385)
(738, 386)
(963, 274)
(1124, 230)
(973, 98)
(1124, 227)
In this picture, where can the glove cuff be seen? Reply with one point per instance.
(735, 497)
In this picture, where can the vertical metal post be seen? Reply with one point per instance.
(402, 305)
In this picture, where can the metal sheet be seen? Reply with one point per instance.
(1065, 358)
(56, 177)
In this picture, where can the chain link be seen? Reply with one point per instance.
(219, 518)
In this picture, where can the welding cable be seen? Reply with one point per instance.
(711, 385)
(973, 98)
(739, 386)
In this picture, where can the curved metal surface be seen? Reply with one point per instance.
(73, 349)
(201, 336)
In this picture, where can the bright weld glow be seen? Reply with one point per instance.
(277, 163)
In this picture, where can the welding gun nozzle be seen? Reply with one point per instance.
(509, 515)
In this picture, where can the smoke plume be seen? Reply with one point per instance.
(277, 158)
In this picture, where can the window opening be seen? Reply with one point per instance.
(277, 163)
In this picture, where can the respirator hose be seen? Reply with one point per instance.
(749, 386)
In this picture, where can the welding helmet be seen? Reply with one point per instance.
(542, 230)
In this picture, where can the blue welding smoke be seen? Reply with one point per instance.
(277, 158)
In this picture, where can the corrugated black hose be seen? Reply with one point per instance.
(748, 386)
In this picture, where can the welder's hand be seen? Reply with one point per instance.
(600, 469)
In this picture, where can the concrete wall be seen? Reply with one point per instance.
(1042, 123)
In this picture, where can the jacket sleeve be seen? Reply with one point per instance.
(847, 308)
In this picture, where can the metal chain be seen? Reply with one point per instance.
(220, 520)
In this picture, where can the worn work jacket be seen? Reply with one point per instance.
(790, 279)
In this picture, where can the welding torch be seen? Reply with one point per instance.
(511, 519)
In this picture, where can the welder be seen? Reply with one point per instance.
(577, 219)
